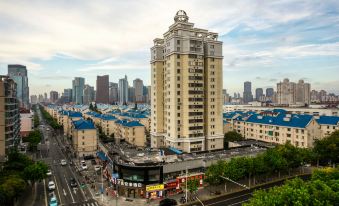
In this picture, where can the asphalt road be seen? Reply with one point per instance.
(238, 198)
(52, 152)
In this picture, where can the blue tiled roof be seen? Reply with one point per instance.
(300, 121)
(329, 120)
(108, 117)
(133, 124)
(83, 124)
(74, 114)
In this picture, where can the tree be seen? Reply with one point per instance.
(33, 138)
(327, 149)
(232, 136)
(17, 162)
(10, 189)
(192, 185)
(35, 172)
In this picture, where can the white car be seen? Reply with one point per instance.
(83, 166)
(63, 162)
(51, 185)
(49, 173)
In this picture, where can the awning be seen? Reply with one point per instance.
(102, 156)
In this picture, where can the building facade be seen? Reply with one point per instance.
(123, 91)
(84, 137)
(9, 116)
(186, 104)
(78, 90)
(19, 74)
(259, 92)
(67, 95)
(102, 94)
(303, 93)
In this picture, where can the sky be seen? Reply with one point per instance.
(264, 41)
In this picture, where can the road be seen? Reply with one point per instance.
(52, 152)
(238, 198)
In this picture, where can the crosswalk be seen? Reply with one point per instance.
(88, 203)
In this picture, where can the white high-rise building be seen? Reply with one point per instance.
(138, 86)
(186, 88)
(123, 91)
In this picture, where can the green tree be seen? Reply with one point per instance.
(17, 162)
(232, 136)
(35, 172)
(192, 185)
(327, 149)
(10, 189)
(33, 138)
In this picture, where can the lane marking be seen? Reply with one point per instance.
(69, 189)
(64, 192)
(239, 202)
(56, 184)
(229, 199)
(45, 191)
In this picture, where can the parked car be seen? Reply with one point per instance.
(97, 167)
(73, 182)
(53, 201)
(49, 173)
(83, 166)
(63, 162)
(51, 185)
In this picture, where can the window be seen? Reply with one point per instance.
(178, 78)
(288, 135)
(178, 85)
(178, 71)
(212, 66)
(178, 114)
(178, 63)
(178, 56)
(212, 46)
(178, 92)
(178, 41)
(83, 143)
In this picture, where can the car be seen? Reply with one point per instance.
(51, 185)
(83, 162)
(84, 166)
(49, 173)
(63, 162)
(168, 202)
(53, 201)
(97, 167)
(73, 182)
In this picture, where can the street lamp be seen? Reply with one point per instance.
(186, 183)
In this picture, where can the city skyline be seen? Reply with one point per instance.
(263, 42)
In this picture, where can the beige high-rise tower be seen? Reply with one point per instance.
(187, 88)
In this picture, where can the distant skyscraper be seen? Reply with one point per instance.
(303, 93)
(78, 90)
(131, 94)
(102, 92)
(113, 92)
(258, 93)
(186, 72)
(41, 98)
(226, 96)
(53, 96)
(34, 99)
(88, 94)
(286, 92)
(138, 86)
(67, 95)
(45, 97)
(247, 95)
(149, 94)
(19, 74)
(269, 92)
(123, 90)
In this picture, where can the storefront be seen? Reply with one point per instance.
(171, 188)
(155, 191)
(129, 189)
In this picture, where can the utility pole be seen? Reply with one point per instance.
(186, 183)
(102, 186)
(226, 178)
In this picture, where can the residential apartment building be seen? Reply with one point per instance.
(9, 116)
(186, 104)
(138, 86)
(78, 90)
(67, 95)
(84, 137)
(303, 93)
(102, 94)
(131, 131)
(279, 126)
(259, 93)
(290, 93)
(19, 74)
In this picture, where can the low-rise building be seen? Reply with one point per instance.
(132, 132)
(26, 121)
(84, 137)
(328, 124)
